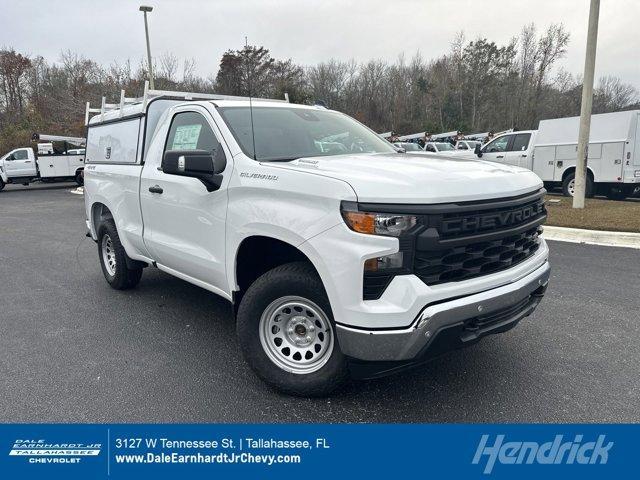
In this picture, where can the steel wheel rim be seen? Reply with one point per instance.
(572, 187)
(296, 335)
(108, 255)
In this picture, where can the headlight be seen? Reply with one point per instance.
(378, 223)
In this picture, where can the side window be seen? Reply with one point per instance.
(190, 131)
(498, 145)
(520, 142)
(20, 155)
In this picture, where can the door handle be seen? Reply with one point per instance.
(156, 189)
(27, 161)
(499, 156)
(524, 155)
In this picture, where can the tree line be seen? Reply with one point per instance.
(476, 86)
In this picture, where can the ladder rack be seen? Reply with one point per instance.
(149, 94)
(57, 138)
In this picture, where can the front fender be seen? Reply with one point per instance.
(284, 205)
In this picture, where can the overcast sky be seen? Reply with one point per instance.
(310, 31)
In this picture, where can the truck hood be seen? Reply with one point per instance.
(404, 178)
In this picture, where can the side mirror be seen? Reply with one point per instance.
(478, 150)
(199, 164)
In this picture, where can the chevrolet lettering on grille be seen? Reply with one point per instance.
(493, 220)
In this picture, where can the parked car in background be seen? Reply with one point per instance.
(467, 145)
(408, 146)
(444, 148)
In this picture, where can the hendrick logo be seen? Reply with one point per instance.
(491, 220)
(555, 452)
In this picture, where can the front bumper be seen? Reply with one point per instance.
(443, 326)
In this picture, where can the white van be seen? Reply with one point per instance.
(613, 164)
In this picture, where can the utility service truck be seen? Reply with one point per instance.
(58, 158)
(613, 161)
(353, 261)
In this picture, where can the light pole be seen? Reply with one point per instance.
(145, 9)
(585, 109)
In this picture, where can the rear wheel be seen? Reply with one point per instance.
(113, 258)
(79, 178)
(1, 184)
(287, 334)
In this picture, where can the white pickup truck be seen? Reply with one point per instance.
(58, 158)
(337, 264)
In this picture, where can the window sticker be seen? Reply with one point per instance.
(186, 137)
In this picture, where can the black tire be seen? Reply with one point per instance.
(79, 178)
(292, 279)
(122, 277)
(589, 192)
(1, 184)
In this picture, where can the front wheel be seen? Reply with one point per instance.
(79, 178)
(1, 184)
(287, 334)
(113, 258)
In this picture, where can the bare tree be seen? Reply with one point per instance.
(612, 94)
(168, 66)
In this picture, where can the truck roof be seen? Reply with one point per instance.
(139, 108)
(262, 103)
(605, 127)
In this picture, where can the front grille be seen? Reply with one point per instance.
(475, 259)
(459, 241)
(476, 241)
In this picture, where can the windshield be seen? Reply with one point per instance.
(443, 147)
(287, 133)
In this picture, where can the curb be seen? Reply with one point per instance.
(592, 237)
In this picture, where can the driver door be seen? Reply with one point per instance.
(20, 164)
(496, 149)
(184, 224)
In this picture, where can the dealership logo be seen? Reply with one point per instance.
(491, 220)
(41, 451)
(555, 452)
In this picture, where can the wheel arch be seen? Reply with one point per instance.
(256, 255)
(572, 169)
(99, 213)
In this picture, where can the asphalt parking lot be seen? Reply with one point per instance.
(74, 350)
